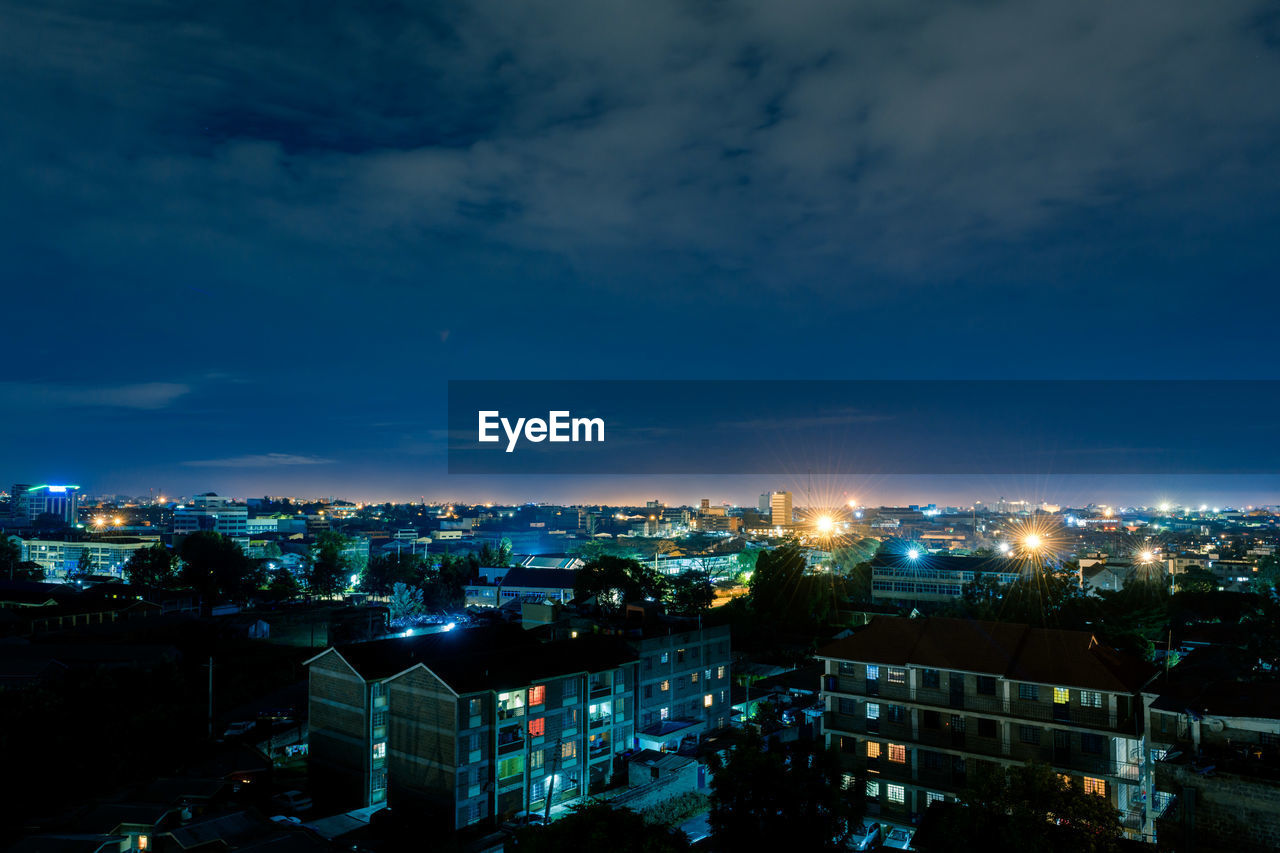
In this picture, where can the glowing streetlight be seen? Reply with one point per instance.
(1147, 557)
(824, 524)
(1004, 547)
(1033, 542)
(913, 554)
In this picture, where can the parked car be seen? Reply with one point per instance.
(521, 820)
(292, 801)
(899, 838)
(865, 836)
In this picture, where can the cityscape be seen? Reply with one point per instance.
(643, 427)
(335, 674)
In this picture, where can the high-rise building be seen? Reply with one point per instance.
(780, 509)
(763, 504)
(32, 502)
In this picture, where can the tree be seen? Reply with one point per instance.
(691, 593)
(215, 566)
(599, 826)
(1029, 807)
(282, 585)
(84, 566)
(10, 556)
(614, 581)
(386, 570)
(782, 799)
(785, 595)
(406, 602)
(330, 565)
(151, 567)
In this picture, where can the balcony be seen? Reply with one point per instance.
(847, 723)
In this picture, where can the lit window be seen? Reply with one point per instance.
(706, 701)
(664, 686)
(873, 711)
(873, 790)
(537, 727)
(897, 676)
(569, 749)
(897, 753)
(535, 759)
(513, 766)
(663, 712)
(719, 672)
(1090, 699)
(873, 749)
(143, 842)
(1061, 695)
(1095, 786)
(693, 678)
(873, 673)
(537, 695)
(931, 797)
(846, 781)
(666, 656)
(896, 793)
(379, 751)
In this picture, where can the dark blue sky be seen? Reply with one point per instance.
(244, 245)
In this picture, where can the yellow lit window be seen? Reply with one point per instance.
(666, 685)
(706, 701)
(897, 753)
(873, 749)
(569, 749)
(1095, 786)
(1061, 695)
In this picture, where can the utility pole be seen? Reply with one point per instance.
(210, 665)
(551, 781)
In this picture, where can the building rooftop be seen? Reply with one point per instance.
(1016, 652)
(546, 578)
(492, 657)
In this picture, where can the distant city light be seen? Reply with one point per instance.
(1146, 556)
(1005, 547)
(1033, 542)
(824, 524)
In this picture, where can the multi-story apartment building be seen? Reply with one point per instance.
(474, 724)
(684, 682)
(781, 512)
(919, 704)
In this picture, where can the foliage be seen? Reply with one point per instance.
(613, 581)
(283, 585)
(406, 602)
(84, 565)
(785, 596)
(599, 826)
(1197, 580)
(384, 571)
(214, 566)
(151, 567)
(775, 799)
(690, 593)
(330, 565)
(677, 810)
(1028, 807)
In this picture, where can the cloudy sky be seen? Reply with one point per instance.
(245, 244)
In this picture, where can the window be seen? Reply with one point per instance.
(706, 701)
(648, 691)
(873, 711)
(1090, 699)
(930, 720)
(930, 760)
(379, 751)
(1094, 744)
(898, 753)
(873, 789)
(537, 727)
(693, 677)
(663, 713)
(986, 728)
(510, 704)
(1029, 692)
(535, 760)
(379, 719)
(719, 672)
(873, 673)
(569, 749)
(931, 797)
(512, 766)
(537, 694)
(873, 749)
(664, 686)
(570, 688)
(1095, 786)
(1028, 734)
(897, 676)
(986, 685)
(896, 794)
(897, 713)
(679, 655)
(707, 675)
(666, 657)
(846, 781)
(1061, 695)
(931, 678)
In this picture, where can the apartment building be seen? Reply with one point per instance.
(472, 724)
(919, 704)
(684, 682)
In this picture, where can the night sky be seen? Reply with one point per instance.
(245, 244)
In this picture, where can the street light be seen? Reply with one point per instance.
(913, 554)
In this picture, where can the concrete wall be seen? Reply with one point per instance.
(1219, 812)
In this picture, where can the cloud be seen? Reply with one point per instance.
(259, 460)
(782, 141)
(31, 397)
